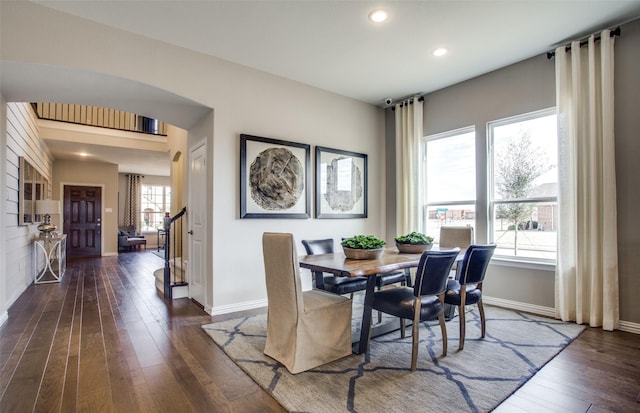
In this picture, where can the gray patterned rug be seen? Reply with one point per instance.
(476, 379)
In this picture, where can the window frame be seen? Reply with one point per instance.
(529, 262)
(471, 129)
(166, 204)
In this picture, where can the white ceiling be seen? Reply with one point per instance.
(330, 44)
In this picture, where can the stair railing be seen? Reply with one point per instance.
(173, 225)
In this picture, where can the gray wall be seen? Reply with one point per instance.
(528, 86)
(627, 129)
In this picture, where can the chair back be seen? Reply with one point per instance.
(433, 272)
(282, 274)
(474, 265)
(318, 246)
(456, 236)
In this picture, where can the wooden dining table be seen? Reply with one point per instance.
(336, 263)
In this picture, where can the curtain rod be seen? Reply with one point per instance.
(420, 99)
(615, 32)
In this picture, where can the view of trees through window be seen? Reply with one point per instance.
(525, 185)
(155, 201)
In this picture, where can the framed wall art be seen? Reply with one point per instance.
(274, 178)
(32, 187)
(341, 184)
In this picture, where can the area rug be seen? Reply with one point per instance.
(475, 379)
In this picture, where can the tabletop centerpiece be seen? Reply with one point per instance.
(363, 247)
(414, 243)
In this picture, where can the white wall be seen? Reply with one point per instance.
(22, 140)
(4, 302)
(245, 101)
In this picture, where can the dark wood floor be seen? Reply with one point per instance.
(104, 340)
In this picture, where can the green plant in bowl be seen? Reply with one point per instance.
(414, 242)
(363, 242)
(363, 247)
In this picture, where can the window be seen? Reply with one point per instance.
(450, 180)
(523, 187)
(155, 201)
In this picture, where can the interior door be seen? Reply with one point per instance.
(197, 223)
(83, 220)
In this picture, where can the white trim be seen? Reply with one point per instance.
(232, 308)
(516, 305)
(627, 326)
(523, 263)
(4, 317)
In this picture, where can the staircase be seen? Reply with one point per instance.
(178, 268)
(172, 278)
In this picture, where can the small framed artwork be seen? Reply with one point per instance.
(341, 184)
(274, 178)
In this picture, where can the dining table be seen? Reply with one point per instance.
(338, 264)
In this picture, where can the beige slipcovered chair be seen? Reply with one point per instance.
(452, 236)
(455, 236)
(305, 329)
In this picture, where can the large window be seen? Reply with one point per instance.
(155, 201)
(524, 185)
(450, 180)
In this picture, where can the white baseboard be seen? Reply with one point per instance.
(627, 326)
(516, 305)
(4, 317)
(232, 308)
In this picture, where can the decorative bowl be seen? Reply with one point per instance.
(413, 248)
(362, 254)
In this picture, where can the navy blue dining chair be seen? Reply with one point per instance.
(466, 288)
(424, 301)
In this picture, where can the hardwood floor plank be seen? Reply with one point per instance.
(52, 385)
(552, 400)
(165, 389)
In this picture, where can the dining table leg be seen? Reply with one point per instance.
(365, 329)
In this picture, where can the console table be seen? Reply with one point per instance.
(50, 258)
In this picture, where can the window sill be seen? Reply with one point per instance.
(521, 263)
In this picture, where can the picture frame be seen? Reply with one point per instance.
(341, 184)
(275, 178)
(32, 186)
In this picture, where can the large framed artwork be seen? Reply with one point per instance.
(341, 184)
(274, 178)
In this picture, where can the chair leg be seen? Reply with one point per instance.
(403, 326)
(443, 328)
(414, 343)
(415, 328)
(483, 321)
(461, 316)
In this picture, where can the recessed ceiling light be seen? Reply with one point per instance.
(441, 51)
(378, 16)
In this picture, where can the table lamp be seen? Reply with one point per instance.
(47, 207)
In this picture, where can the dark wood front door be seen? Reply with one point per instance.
(83, 220)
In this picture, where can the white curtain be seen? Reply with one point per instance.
(408, 134)
(587, 269)
(132, 202)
